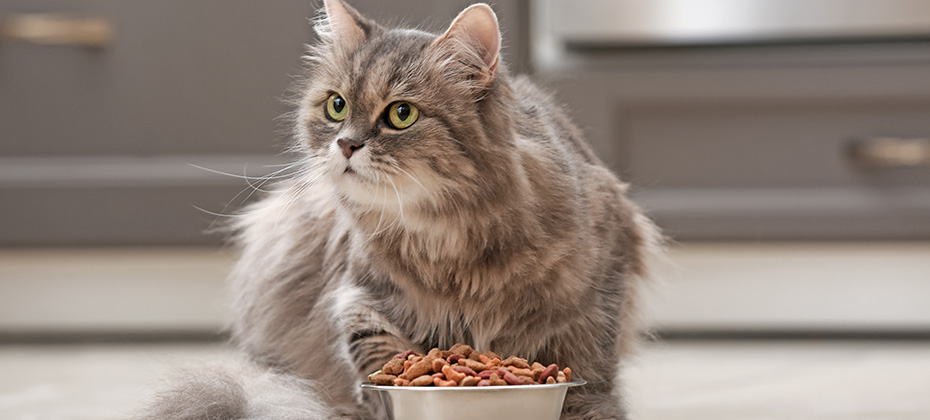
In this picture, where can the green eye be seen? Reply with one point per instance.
(402, 115)
(336, 107)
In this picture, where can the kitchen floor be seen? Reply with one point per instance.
(671, 380)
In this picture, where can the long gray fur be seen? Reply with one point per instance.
(487, 222)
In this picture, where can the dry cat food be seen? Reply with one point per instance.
(462, 365)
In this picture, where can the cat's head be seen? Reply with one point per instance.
(403, 119)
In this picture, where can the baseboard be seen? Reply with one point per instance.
(800, 287)
(103, 290)
(727, 290)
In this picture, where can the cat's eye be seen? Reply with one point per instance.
(336, 107)
(402, 115)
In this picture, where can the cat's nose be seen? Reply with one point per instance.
(349, 146)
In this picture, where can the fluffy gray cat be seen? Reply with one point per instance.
(439, 200)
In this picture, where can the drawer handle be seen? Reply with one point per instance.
(890, 152)
(52, 29)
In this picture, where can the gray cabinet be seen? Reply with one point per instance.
(178, 77)
(753, 119)
(755, 142)
(721, 142)
(97, 143)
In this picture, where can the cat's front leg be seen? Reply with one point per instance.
(367, 340)
(374, 344)
(370, 340)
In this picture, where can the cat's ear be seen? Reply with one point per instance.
(342, 25)
(475, 32)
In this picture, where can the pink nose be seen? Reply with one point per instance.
(349, 146)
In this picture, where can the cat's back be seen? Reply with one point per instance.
(556, 155)
(544, 121)
(573, 185)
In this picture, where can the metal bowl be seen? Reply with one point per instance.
(542, 402)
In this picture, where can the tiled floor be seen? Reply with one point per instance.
(716, 380)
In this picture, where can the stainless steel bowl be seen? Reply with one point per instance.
(538, 402)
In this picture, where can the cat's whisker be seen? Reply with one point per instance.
(275, 174)
(254, 187)
(294, 192)
(281, 165)
(295, 196)
(388, 227)
(371, 205)
(213, 213)
(413, 178)
(383, 205)
(288, 202)
(400, 203)
(257, 186)
(305, 170)
(280, 173)
(222, 212)
(230, 215)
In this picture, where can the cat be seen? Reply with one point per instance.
(438, 200)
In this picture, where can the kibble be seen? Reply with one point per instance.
(462, 365)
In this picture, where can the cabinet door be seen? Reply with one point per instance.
(98, 145)
(97, 142)
(765, 142)
(177, 77)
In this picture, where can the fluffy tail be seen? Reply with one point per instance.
(239, 390)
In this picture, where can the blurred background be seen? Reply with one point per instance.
(783, 146)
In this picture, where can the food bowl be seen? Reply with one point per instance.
(538, 402)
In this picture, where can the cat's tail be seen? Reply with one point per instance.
(239, 390)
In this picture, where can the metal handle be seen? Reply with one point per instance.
(890, 152)
(51, 29)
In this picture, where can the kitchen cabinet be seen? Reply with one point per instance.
(101, 142)
(792, 129)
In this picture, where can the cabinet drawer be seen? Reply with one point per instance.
(762, 145)
(781, 171)
(178, 76)
(756, 143)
